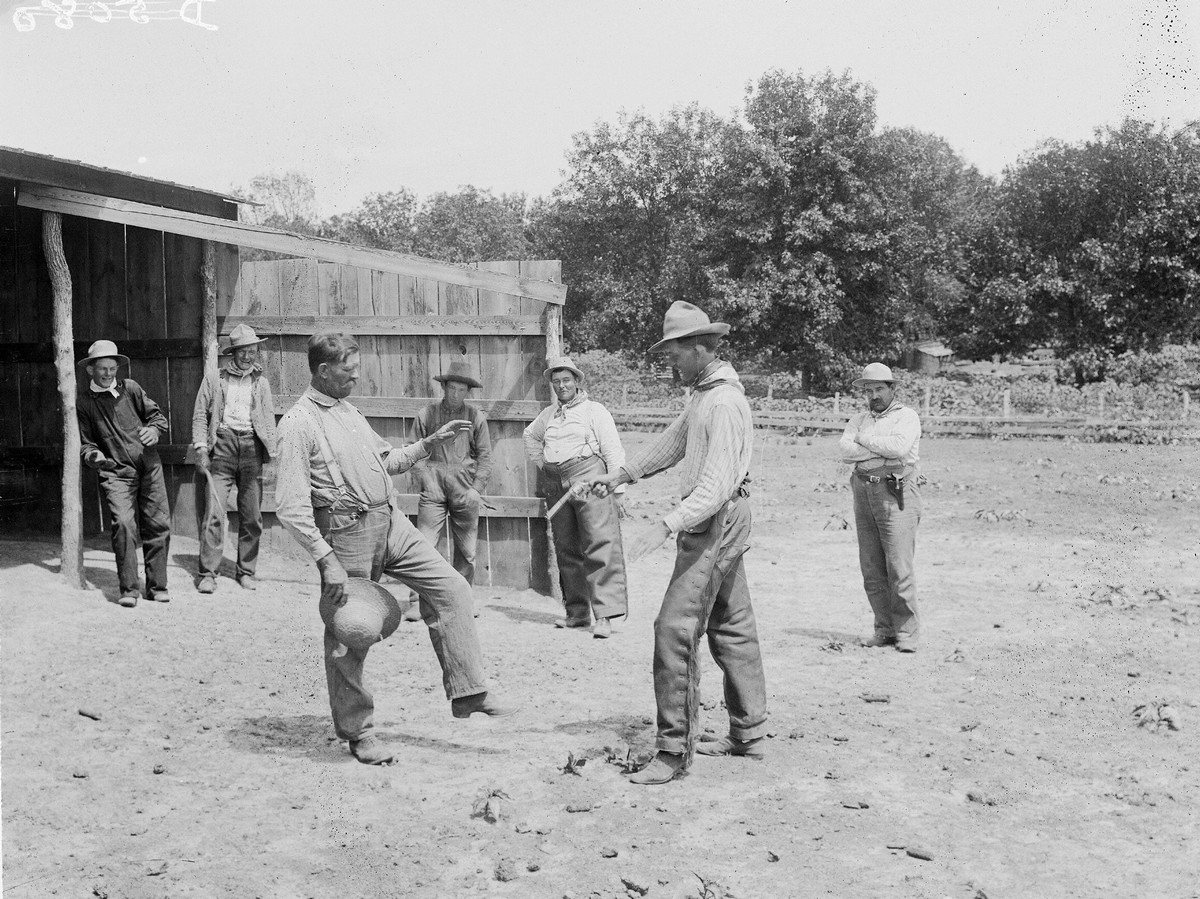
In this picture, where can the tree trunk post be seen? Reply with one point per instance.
(64, 363)
(1007, 404)
(1187, 401)
(928, 392)
(554, 349)
(208, 314)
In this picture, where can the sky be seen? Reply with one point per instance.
(435, 94)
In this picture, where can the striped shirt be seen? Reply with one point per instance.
(713, 437)
(894, 435)
(364, 460)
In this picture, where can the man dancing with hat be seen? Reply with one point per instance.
(882, 444)
(233, 434)
(572, 441)
(708, 592)
(119, 427)
(456, 472)
(336, 497)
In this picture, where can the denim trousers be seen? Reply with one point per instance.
(887, 544)
(380, 541)
(587, 542)
(445, 495)
(236, 462)
(709, 594)
(137, 504)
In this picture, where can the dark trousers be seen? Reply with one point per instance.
(384, 540)
(137, 502)
(708, 594)
(587, 541)
(887, 546)
(236, 462)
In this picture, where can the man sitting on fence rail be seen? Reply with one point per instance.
(336, 497)
(119, 427)
(882, 444)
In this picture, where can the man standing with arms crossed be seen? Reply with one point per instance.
(882, 444)
(708, 592)
(335, 495)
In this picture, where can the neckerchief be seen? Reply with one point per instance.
(236, 372)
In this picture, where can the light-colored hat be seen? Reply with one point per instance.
(370, 613)
(103, 349)
(459, 371)
(685, 320)
(876, 371)
(562, 362)
(240, 336)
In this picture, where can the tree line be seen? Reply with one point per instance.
(825, 239)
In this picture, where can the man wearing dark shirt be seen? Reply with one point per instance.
(119, 428)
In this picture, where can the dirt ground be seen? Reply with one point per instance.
(1060, 588)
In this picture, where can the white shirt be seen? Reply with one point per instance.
(238, 399)
(894, 435)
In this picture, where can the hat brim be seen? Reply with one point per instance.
(121, 359)
(470, 382)
(863, 382)
(576, 372)
(364, 598)
(227, 351)
(718, 328)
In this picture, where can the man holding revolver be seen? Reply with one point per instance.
(335, 495)
(882, 444)
(119, 428)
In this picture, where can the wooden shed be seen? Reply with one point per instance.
(155, 267)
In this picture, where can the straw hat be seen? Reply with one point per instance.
(103, 349)
(240, 336)
(370, 613)
(685, 320)
(562, 362)
(876, 371)
(458, 372)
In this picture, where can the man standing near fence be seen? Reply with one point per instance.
(120, 428)
(456, 472)
(882, 444)
(336, 497)
(708, 592)
(233, 434)
(571, 441)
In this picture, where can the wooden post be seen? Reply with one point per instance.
(554, 349)
(1100, 404)
(837, 403)
(1007, 403)
(925, 405)
(64, 362)
(208, 319)
(625, 395)
(1187, 401)
(770, 391)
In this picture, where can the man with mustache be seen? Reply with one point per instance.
(882, 444)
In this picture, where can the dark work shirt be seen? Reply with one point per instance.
(110, 424)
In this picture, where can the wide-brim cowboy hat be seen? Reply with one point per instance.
(103, 349)
(458, 372)
(370, 613)
(876, 371)
(240, 336)
(685, 320)
(560, 363)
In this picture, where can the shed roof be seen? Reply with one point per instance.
(934, 348)
(40, 168)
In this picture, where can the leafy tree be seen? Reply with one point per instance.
(287, 201)
(633, 223)
(471, 225)
(385, 221)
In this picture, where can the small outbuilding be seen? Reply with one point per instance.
(928, 357)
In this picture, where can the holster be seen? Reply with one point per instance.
(895, 486)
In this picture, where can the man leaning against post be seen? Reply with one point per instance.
(233, 434)
(335, 496)
(882, 444)
(708, 593)
(119, 427)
